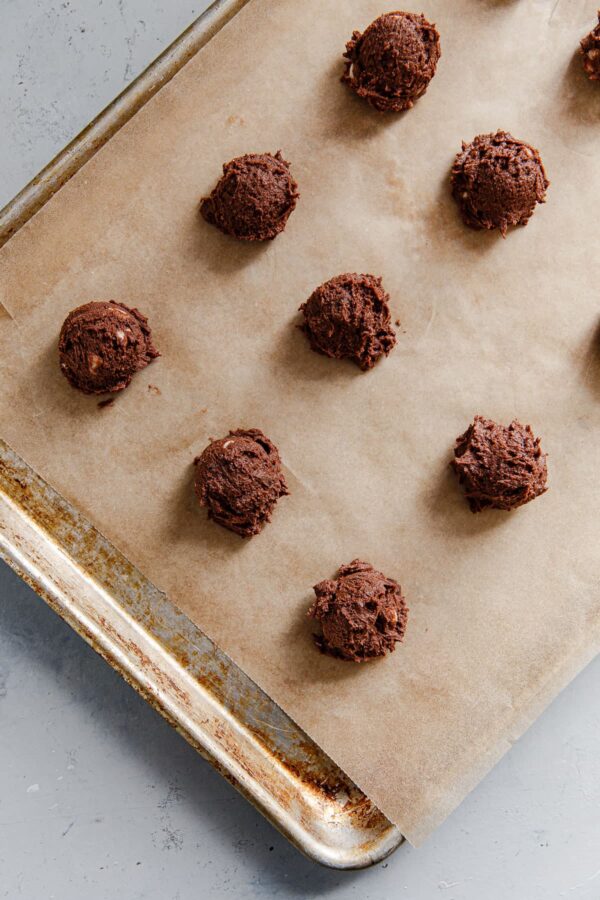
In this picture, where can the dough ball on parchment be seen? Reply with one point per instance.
(239, 480)
(348, 317)
(103, 344)
(497, 181)
(362, 613)
(254, 197)
(391, 64)
(590, 51)
(499, 467)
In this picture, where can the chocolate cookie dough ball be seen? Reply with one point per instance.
(254, 197)
(362, 613)
(392, 63)
(497, 181)
(102, 345)
(239, 479)
(590, 51)
(348, 317)
(499, 467)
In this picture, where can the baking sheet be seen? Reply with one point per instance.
(504, 609)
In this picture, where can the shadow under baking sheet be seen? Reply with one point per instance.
(180, 808)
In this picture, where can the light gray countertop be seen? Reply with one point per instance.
(98, 796)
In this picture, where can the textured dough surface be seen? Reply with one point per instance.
(102, 345)
(498, 466)
(239, 479)
(254, 197)
(348, 317)
(362, 613)
(497, 181)
(391, 64)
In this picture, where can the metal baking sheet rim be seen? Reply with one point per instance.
(283, 773)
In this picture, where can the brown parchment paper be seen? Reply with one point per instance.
(504, 607)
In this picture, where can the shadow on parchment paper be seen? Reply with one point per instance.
(292, 354)
(590, 365)
(496, 4)
(445, 228)
(318, 667)
(578, 99)
(223, 254)
(347, 116)
(53, 390)
(171, 773)
(446, 506)
(188, 521)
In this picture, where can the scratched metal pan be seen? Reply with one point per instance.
(159, 651)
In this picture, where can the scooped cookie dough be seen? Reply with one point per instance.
(254, 197)
(499, 467)
(590, 51)
(497, 181)
(239, 480)
(348, 317)
(103, 344)
(362, 613)
(393, 61)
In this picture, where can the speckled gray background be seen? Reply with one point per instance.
(98, 797)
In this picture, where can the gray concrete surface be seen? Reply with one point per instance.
(98, 797)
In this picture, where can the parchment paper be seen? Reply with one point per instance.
(504, 607)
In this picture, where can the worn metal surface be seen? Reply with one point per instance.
(180, 671)
(104, 126)
(217, 708)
